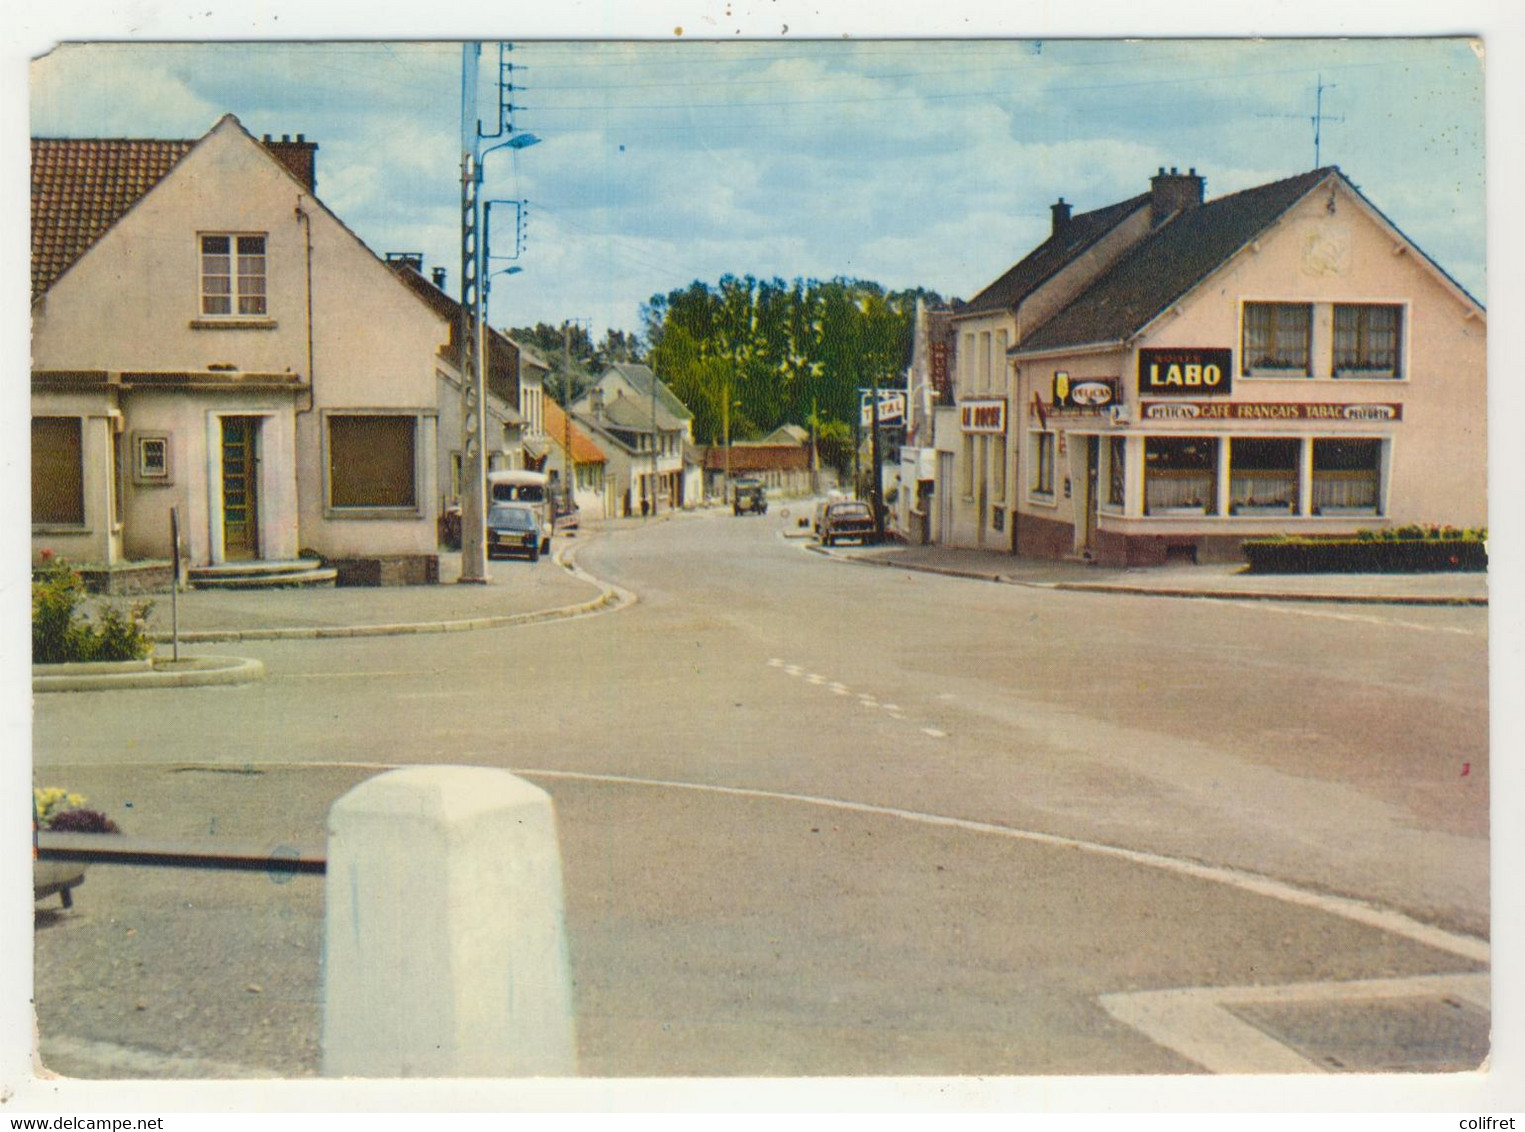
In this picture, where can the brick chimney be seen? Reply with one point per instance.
(1061, 212)
(1173, 192)
(298, 156)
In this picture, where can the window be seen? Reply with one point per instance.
(233, 275)
(58, 477)
(998, 467)
(1180, 474)
(968, 466)
(372, 461)
(1043, 463)
(1276, 337)
(151, 460)
(1347, 476)
(1117, 470)
(1263, 474)
(1366, 341)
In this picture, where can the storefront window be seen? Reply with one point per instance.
(1276, 338)
(1347, 476)
(1180, 474)
(1263, 474)
(1117, 469)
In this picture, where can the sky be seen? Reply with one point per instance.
(923, 162)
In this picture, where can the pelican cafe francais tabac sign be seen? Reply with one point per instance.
(1185, 371)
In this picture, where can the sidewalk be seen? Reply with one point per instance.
(1220, 581)
(515, 592)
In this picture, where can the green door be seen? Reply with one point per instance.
(240, 497)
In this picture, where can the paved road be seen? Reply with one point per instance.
(819, 818)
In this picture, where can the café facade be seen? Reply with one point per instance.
(1282, 360)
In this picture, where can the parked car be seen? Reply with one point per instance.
(514, 529)
(846, 520)
(533, 489)
(750, 498)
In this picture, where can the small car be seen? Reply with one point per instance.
(847, 520)
(751, 498)
(514, 529)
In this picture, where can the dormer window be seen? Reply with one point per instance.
(233, 275)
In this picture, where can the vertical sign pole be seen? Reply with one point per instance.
(174, 590)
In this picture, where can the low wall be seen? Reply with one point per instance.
(387, 570)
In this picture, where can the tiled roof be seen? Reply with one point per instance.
(1051, 255)
(641, 377)
(636, 415)
(584, 450)
(81, 187)
(1168, 263)
(757, 458)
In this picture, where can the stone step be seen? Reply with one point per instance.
(262, 575)
(254, 566)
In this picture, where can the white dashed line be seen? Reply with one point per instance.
(934, 732)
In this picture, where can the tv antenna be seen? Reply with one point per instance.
(1317, 119)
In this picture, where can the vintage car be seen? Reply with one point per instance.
(849, 519)
(750, 498)
(514, 529)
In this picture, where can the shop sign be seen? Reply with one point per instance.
(891, 407)
(1268, 411)
(1084, 393)
(1185, 372)
(982, 416)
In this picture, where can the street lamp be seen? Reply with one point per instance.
(473, 316)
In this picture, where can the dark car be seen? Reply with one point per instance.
(751, 498)
(514, 529)
(847, 520)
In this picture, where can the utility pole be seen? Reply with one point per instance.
(473, 292)
(570, 467)
(656, 438)
(876, 488)
(473, 417)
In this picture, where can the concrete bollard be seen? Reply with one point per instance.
(444, 948)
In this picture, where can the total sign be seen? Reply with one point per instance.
(1185, 372)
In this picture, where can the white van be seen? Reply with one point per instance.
(531, 488)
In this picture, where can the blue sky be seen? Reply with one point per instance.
(910, 162)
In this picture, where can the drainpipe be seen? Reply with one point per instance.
(312, 385)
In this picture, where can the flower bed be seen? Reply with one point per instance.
(1401, 550)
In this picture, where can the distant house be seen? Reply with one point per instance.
(783, 467)
(644, 444)
(591, 493)
(208, 336)
(634, 394)
(513, 378)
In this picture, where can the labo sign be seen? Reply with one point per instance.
(1185, 372)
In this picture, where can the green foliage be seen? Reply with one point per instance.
(1410, 532)
(62, 633)
(777, 352)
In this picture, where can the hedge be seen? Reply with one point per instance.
(1405, 550)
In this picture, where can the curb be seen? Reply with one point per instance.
(611, 597)
(197, 672)
(1163, 591)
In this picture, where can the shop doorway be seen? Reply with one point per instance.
(240, 488)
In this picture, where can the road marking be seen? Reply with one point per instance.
(934, 732)
(817, 678)
(1196, 1022)
(794, 670)
(1351, 618)
(347, 675)
(1347, 908)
